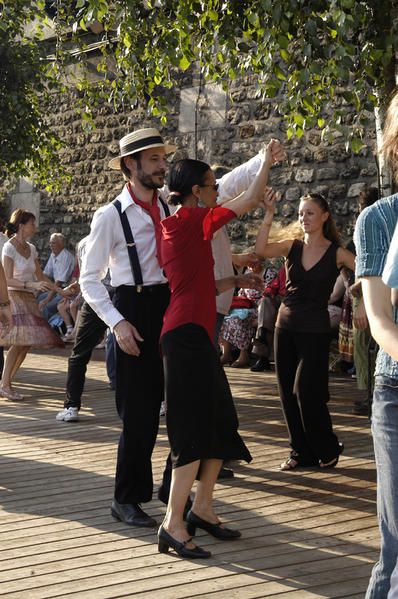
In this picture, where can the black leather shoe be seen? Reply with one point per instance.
(225, 473)
(261, 365)
(132, 514)
(166, 541)
(218, 531)
(163, 496)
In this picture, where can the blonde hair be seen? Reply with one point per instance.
(389, 147)
(281, 232)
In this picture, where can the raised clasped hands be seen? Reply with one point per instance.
(273, 152)
(269, 200)
(127, 336)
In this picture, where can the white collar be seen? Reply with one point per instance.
(126, 200)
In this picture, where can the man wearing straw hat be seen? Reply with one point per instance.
(125, 236)
(131, 252)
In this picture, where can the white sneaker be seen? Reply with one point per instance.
(68, 415)
(69, 336)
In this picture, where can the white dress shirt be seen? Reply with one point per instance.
(230, 186)
(106, 248)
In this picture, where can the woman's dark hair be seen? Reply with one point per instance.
(18, 217)
(329, 226)
(183, 176)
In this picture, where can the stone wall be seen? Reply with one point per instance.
(205, 123)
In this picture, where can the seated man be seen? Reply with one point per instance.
(59, 268)
(267, 313)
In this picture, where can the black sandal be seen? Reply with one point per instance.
(333, 463)
(291, 463)
(295, 461)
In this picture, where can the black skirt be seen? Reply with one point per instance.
(200, 414)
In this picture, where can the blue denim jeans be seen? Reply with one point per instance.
(385, 438)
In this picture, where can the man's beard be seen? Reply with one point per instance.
(147, 180)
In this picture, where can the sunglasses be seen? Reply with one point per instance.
(213, 185)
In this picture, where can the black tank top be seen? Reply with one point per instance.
(304, 307)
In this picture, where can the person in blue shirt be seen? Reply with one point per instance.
(373, 235)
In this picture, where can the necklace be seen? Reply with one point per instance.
(24, 248)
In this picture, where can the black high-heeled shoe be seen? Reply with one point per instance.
(333, 463)
(218, 531)
(165, 541)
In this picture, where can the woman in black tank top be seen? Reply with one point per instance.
(302, 333)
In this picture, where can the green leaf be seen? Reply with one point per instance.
(356, 145)
(127, 40)
(184, 63)
(279, 73)
(298, 119)
(283, 42)
(213, 15)
(253, 18)
(284, 54)
(309, 103)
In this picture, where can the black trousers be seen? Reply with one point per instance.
(302, 368)
(90, 331)
(139, 391)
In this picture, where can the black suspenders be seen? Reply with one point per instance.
(130, 243)
(165, 207)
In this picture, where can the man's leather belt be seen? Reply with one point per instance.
(146, 289)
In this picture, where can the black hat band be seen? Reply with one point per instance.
(135, 146)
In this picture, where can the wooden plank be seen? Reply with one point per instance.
(308, 533)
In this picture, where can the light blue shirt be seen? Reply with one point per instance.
(373, 234)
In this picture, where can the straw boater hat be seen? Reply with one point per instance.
(143, 139)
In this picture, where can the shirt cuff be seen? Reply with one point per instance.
(113, 318)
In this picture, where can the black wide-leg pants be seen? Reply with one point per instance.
(302, 368)
(139, 391)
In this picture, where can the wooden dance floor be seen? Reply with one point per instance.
(306, 534)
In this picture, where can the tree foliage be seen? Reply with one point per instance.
(28, 147)
(310, 54)
(315, 57)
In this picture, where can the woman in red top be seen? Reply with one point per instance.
(201, 419)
